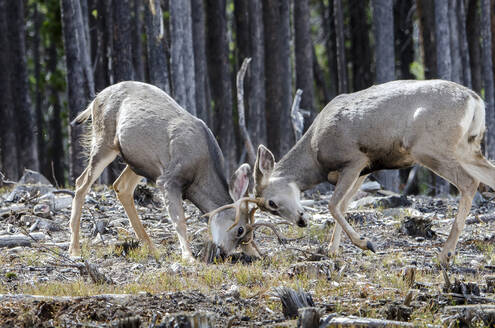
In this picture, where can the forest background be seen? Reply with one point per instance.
(55, 55)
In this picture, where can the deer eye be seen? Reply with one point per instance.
(240, 231)
(272, 204)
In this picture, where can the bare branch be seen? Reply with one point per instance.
(296, 116)
(241, 112)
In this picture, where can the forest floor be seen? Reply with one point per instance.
(40, 286)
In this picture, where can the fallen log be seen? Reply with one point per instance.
(20, 239)
(471, 314)
(359, 322)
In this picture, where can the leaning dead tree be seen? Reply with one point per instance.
(297, 116)
(251, 154)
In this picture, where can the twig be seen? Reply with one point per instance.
(53, 175)
(318, 255)
(240, 109)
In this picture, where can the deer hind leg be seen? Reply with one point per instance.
(124, 188)
(480, 168)
(347, 179)
(454, 172)
(172, 195)
(333, 248)
(99, 159)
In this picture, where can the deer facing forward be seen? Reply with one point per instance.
(164, 143)
(437, 124)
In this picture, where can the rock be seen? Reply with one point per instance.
(56, 202)
(312, 269)
(490, 284)
(30, 184)
(371, 186)
(234, 291)
(38, 223)
(400, 212)
(383, 202)
(42, 210)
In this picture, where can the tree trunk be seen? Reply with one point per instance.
(79, 82)
(256, 119)
(383, 21)
(8, 135)
(23, 111)
(137, 44)
(122, 46)
(360, 45)
(278, 77)
(427, 37)
(454, 42)
(463, 45)
(442, 37)
(200, 66)
(486, 53)
(473, 38)
(182, 55)
(404, 48)
(249, 40)
(155, 41)
(303, 49)
(328, 23)
(220, 78)
(341, 61)
(39, 130)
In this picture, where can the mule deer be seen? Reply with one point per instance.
(164, 143)
(436, 123)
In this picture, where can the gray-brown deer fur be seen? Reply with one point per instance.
(164, 143)
(435, 123)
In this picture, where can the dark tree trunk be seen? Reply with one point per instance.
(278, 77)
(340, 42)
(250, 43)
(200, 66)
(137, 44)
(182, 55)
(220, 79)
(463, 45)
(122, 46)
(330, 46)
(38, 98)
(56, 144)
(404, 48)
(23, 112)
(454, 42)
(155, 40)
(304, 54)
(427, 36)
(360, 45)
(442, 37)
(383, 21)
(256, 75)
(486, 55)
(79, 79)
(473, 38)
(8, 136)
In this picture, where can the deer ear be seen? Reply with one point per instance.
(239, 182)
(264, 165)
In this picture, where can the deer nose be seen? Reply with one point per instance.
(302, 222)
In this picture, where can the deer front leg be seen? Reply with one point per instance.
(172, 196)
(347, 178)
(333, 248)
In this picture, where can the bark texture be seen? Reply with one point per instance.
(200, 65)
(182, 55)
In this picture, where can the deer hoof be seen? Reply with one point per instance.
(444, 258)
(370, 246)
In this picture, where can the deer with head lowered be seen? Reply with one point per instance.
(437, 124)
(161, 141)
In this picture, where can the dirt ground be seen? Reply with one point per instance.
(40, 286)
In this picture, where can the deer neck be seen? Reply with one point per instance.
(209, 192)
(299, 165)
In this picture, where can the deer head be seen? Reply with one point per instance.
(277, 195)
